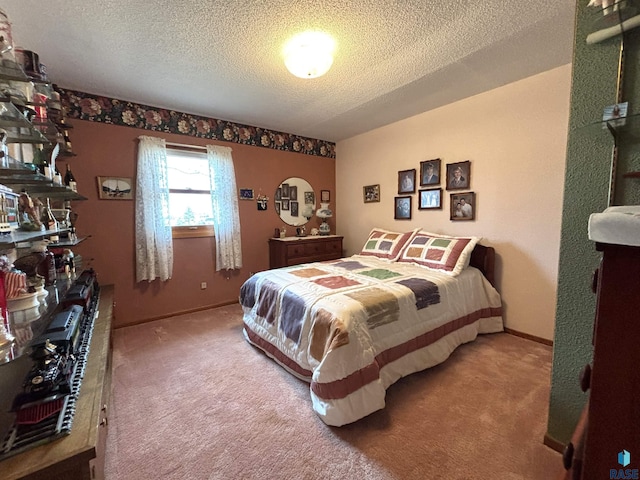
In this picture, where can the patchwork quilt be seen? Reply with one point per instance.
(354, 326)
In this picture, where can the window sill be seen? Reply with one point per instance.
(193, 231)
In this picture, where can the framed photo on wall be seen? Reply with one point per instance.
(115, 188)
(429, 198)
(371, 193)
(246, 194)
(402, 208)
(309, 198)
(325, 196)
(463, 206)
(458, 175)
(407, 181)
(430, 172)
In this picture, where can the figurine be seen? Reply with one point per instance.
(28, 214)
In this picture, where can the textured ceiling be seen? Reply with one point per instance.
(223, 59)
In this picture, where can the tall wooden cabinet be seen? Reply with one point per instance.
(614, 398)
(611, 420)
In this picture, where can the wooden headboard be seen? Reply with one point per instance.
(484, 259)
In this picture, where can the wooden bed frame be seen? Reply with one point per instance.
(484, 259)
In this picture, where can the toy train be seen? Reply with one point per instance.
(82, 290)
(54, 352)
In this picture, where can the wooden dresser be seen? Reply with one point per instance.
(610, 422)
(284, 252)
(79, 455)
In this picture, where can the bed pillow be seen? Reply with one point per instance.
(446, 254)
(386, 244)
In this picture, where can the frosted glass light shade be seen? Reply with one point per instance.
(309, 54)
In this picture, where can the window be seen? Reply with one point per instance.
(189, 194)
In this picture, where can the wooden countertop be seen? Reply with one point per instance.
(52, 459)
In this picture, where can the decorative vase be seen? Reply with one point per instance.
(324, 212)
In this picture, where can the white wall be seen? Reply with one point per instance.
(515, 137)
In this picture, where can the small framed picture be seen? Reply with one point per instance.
(430, 198)
(371, 193)
(407, 181)
(278, 195)
(285, 204)
(293, 192)
(325, 196)
(278, 208)
(458, 175)
(285, 190)
(402, 208)
(463, 206)
(309, 198)
(615, 114)
(294, 208)
(115, 188)
(246, 194)
(430, 172)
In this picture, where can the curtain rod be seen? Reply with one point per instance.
(183, 146)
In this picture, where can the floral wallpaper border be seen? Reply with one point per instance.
(95, 108)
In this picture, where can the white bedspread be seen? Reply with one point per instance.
(354, 326)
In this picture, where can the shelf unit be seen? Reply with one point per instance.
(615, 22)
(20, 129)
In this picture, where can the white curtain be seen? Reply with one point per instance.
(224, 199)
(154, 243)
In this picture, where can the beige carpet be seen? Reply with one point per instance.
(192, 400)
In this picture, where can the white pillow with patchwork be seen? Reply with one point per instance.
(446, 254)
(386, 244)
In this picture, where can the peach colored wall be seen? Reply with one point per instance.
(109, 150)
(515, 137)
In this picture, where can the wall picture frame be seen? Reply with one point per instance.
(402, 207)
(459, 175)
(246, 194)
(325, 196)
(284, 193)
(309, 198)
(115, 188)
(463, 206)
(430, 172)
(284, 204)
(407, 181)
(371, 193)
(430, 199)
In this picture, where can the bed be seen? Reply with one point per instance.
(354, 326)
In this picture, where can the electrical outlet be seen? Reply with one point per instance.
(203, 285)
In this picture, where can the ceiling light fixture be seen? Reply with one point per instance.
(309, 54)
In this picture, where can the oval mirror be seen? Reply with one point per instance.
(295, 201)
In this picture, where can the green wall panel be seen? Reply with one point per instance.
(586, 191)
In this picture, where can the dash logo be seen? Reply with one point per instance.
(624, 459)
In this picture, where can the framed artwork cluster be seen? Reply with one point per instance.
(427, 182)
